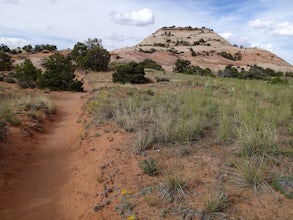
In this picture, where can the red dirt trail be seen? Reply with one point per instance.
(36, 192)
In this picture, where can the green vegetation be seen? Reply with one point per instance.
(254, 72)
(91, 55)
(216, 203)
(229, 56)
(28, 48)
(151, 64)
(130, 73)
(7, 114)
(284, 185)
(42, 47)
(59, 75)
(152, 50)
(5, 61)
(27, 74)
(181, 65)
(4, 48)
(251, 172)
(174, 187)
(212, 121)
(149, 167)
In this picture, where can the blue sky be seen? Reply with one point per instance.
(266, 24)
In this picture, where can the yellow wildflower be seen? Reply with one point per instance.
(132, 217)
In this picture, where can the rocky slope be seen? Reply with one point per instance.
(202, 46)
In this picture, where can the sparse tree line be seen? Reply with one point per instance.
(59, 69)
(28, 48)
(254, 72)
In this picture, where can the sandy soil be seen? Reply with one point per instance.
(35, 191)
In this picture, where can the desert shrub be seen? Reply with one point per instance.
(229, 71)
(149, 167)
(27, 74)
(5, 61)
(162, 79)
(42, 47)
(181, 65)
(59, 75)
(130, 73)
(151, 64)
(5, 48)
(278, 80)
(193, 53)
(255, 72)
(226, 55)
(7, 114)
(9, 79)
(159, 45)
(152, 50)
(91, 54)
(196, 70)
(28, 48)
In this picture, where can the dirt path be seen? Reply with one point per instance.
(37, 189)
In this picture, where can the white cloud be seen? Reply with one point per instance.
(10, 1)
(13, 42)
(283, 29)
(267, 46)
(142, 17)
(259, 23)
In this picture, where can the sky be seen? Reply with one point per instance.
(266, 24)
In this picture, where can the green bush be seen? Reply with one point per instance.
(130, 73)
(196, 70)
(5, 61)
(42, 47)
(149, 167)
(28, 48)
(181, 65)
(27, 74)
(91, 54)
(151, 64)
(4, 48)
(59, 75)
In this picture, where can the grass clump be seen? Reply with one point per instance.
(8, 115)
(149, 167)
(216, 203)
(251, 172)
(174, 188)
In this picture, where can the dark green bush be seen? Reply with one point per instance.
(278, 80)
(181, 65)
(130, 73)
(4, 48)
(5, 61)
(28, 48)
(27, 74)
(9, 79)
(151, 64)
(91, 54)
(42, 47)
(59, 75)
(149, 167)
(230, 72)
(196, 70)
